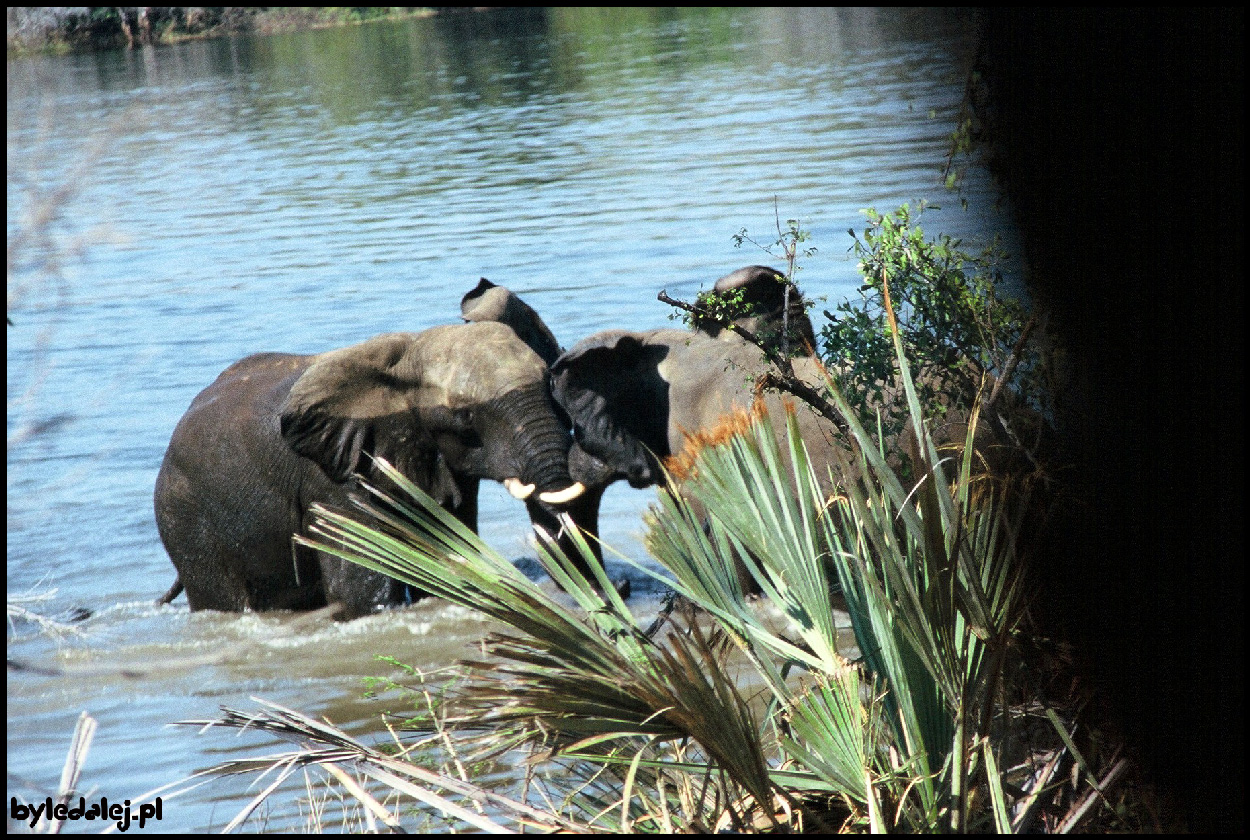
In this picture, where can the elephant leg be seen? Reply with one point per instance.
(210, 585)
(301, 586)
(218, 577)
(357, 590)
(361, 591)
(464, 507)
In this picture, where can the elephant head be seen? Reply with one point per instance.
(613, 388)
(277, 433)
(756, 299)
(454, 401)
(490, 302)
(630, 395)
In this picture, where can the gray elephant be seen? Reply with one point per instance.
(276, 433)
(635, 398)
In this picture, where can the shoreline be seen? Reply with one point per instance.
(59, 31)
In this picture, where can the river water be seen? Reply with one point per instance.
(307, 191)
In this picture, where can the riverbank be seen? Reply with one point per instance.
(33, 30)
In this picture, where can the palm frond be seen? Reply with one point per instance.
(573, 676)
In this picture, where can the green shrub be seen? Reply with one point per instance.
(960, 335)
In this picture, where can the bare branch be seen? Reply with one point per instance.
(1012, 361)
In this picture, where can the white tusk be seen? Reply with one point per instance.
(568, 494)
(517, 489)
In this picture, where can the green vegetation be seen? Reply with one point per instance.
(965, 343)
(779, 331)
(968, 346)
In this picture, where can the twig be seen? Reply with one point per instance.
(84, 732)
(701, 311)
(1023, 808)
(373, 808)
(303, 730)
(1012, 361)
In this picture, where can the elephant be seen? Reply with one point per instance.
(276, 433)
(637, 399)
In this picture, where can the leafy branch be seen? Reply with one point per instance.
(783, 379)
(788, 241)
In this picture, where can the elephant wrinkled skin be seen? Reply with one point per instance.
(276, 433)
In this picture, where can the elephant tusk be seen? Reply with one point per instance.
(559, 497)
(517, 489)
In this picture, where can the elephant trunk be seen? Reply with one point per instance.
(542, 443)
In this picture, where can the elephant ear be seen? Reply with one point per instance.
(756, 277)
(348, 400)
(490, 302)
(611, 389)
(761, 304)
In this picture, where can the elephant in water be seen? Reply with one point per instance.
(635, 398)
(276, 433)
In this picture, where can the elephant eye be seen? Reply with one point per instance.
(444, 419)
(462, 427)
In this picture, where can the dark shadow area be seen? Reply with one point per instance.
(1118, 136)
